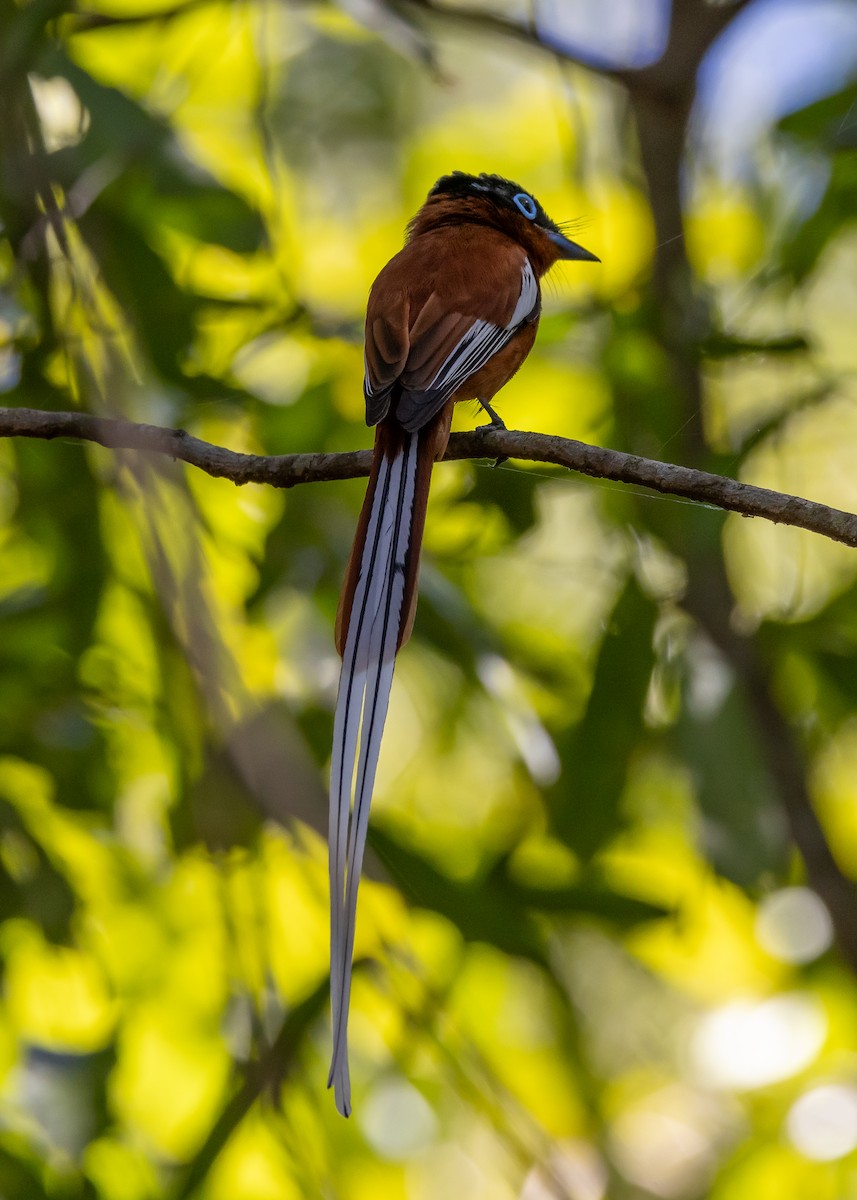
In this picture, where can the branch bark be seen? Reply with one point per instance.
(289, 470)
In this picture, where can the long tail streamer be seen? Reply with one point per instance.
(361, 708)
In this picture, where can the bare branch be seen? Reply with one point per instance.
(485, 21)
(288, 470)
(693, 28)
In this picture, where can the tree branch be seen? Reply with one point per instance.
(692, 30)
(288, 470)
(485, 21)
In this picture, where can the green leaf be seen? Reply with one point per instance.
(586, 900)
(829, 124)
(817, 663)
(46, 628)
(161, 313)
(720, 346)
(743, 833)
(513, 492)
(484, 910)
(830, 121)
(585, 802)
(36, 891)
(267, 1073)
(156, 184)
(19, 1178)
(835, 212)
(497, 909)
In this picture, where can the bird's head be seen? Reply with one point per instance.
(461, 199)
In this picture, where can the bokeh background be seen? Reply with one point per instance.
(608, 940)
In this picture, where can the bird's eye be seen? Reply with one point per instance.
(526, 204)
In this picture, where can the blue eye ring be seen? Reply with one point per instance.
(526, 204)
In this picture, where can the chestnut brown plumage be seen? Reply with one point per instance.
(451, 317)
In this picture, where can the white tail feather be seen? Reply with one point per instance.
(361, 707)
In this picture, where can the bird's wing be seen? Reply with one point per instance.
(427, 346)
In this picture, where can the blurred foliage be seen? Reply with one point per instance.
(589, 961)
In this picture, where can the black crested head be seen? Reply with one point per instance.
(503, 192)
(460, 199)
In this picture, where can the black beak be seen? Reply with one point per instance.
(569, 249)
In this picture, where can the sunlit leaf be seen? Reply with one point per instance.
(596, 754)
(483, 910)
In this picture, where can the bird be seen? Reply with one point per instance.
(451, 317)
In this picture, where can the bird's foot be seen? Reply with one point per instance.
(496, 422)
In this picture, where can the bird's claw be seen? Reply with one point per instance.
(496, 422)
